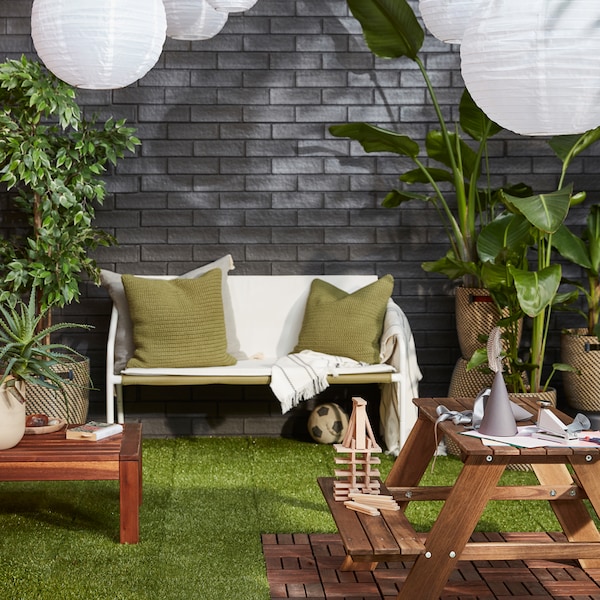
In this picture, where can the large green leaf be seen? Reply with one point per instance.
(438, 150)
(506, 235)
(474, 121)
(567, 147)
(390, 27)
(397, 197)
(536, 290)
(571, 247)
(418, 176)
(545, 212)
(450, 266)
(592, 235)
(376, 139)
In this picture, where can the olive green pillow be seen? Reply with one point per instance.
(342, 324)
(177, 322)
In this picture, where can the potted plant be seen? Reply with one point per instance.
(391, 30)
(580, 347)
(51, 164)
(519, 267)
(450, 170)
(26, 358)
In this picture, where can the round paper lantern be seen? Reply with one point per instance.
(232, 6)
(532, 66)
(98, 44)
(447, 19)
(193, 19)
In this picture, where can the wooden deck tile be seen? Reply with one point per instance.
(307, 566)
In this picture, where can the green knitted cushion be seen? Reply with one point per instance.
(343, 324)
(177, 322)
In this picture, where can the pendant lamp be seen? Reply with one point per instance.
(232, 6)
(447, 19)
(193, 19)
(98, 44)
(532, 66)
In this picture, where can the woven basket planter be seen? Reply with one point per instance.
(579, 350)
(468, 384)
(52, 402)
(476, 315)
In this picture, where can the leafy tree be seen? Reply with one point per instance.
(52, 159)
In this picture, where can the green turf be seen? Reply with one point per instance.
(206, 502)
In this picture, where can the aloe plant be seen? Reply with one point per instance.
(391, 30)
(24, 354)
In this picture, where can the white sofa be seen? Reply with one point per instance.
(267, 316)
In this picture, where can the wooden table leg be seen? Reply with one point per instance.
(573, 515)
(453, 528)
(130, 500)
(415, 455)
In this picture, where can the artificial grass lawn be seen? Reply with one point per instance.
(206, 503)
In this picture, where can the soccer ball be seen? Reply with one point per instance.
(327, 424)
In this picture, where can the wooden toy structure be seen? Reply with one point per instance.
(357, 484)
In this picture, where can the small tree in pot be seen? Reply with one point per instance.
(52, 159)
(51, 163)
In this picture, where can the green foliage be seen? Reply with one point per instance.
(585, 252)
(24, 354)
(391, 30)
(519, 268)
(52, 158)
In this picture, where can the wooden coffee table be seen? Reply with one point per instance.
(51, 457)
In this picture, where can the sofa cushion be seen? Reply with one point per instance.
(124, 346)
(336, 322)
(177, 322)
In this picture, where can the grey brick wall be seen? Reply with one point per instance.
(236, 158)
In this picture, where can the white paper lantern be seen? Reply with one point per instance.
(98, 44)
(232, 6)
(447, 19)
(193, 19)
(532, 65)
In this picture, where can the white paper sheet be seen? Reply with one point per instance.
(524, 439)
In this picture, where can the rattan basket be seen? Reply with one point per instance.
(468, 384)
(582, 390)
(52, 403)
(476, 315)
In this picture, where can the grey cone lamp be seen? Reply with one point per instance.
(498, 418)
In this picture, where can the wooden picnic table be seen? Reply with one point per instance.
(389, 536)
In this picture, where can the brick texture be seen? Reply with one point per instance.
(236, 158)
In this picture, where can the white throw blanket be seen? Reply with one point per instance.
(301, 376)
(397, 412)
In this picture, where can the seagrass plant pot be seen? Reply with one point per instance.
(52, 402)
(12, 417)
(581, 351)
(476, 315)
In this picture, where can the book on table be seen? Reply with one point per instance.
(94, 431)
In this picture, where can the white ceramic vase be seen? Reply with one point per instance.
(12, 418)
